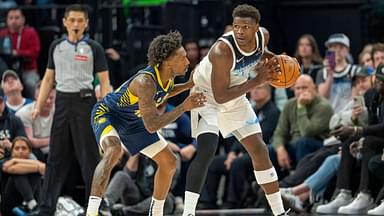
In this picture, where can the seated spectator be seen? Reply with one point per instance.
(12, 88)
(39, 130)
(353, 114)
(308, 55)
(21, 177)
(11, 127)
(237, 164)
(362, 144)
(377, 54)
(26, 46)
(335, 80)
(376, 167)
(133, 187)
(365, 57)
(302, 125)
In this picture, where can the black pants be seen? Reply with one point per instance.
(376, 166)
(72, 138)
(372, 146)
(19, 188)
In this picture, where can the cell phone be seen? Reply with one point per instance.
(358, 101)
(330, 56)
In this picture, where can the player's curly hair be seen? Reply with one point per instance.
(163, 46)
(246, 10)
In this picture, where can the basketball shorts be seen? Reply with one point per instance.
(236, 117)
(132, 134)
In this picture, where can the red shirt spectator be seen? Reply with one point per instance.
(25, 43)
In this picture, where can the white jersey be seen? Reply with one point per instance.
(243, 62)
(235, 116)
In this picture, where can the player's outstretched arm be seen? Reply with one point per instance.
(222, 60)
(144, 87)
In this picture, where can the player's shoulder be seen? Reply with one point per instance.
(220, 49)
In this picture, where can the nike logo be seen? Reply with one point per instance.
(239, 60)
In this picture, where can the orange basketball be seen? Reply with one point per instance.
(290, 71)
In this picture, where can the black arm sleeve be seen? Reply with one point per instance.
(100, 61)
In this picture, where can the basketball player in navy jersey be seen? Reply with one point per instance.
(128, 119)
(235, 64)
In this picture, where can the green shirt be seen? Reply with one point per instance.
(307, 121)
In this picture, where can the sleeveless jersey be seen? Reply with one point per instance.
(243, 62)
(123, 104)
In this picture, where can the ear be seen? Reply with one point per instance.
(64, 22)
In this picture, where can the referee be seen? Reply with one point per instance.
(73, 63)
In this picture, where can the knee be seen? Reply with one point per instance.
(168, 164)
(112, 148)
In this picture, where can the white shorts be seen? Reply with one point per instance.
(235, 117)
(149, 151)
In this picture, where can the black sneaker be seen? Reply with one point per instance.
(105, 208)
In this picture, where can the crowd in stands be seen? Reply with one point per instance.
(324, 134)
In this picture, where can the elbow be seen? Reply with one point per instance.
(151, 128)
(220, 99)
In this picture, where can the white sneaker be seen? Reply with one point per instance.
(285, 191)
(359, 205)
(379, 210)
(343, 198)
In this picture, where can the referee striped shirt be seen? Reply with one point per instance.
(75, 64)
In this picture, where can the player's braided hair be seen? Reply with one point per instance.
(245, 10)
(163, 46)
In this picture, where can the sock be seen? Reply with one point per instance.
(190, 203)
(31, 204)
(93, 206)
(156, 207)
(276, 203)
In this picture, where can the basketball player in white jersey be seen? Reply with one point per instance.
(225, 76)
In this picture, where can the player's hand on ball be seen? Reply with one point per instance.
(267, 70)
(194, 100)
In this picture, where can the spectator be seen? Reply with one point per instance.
(353, 114)
(133, 187)
(73, 62)
(377, 54)
(335, 83)
(11, 126)
(376, 167)
(371, 143)
(308, 55)
(25, 45)
(302, 125)
(365, 57)
(12, 87)
(21, 177)
(39, 130)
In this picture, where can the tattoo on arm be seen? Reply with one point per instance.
(146, 90)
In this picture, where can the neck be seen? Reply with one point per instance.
(14, 30)
(45, 112)
(340, 65)
(15, 99)
(249, 47)
(306, 62)
(261, 103)
(165, 75)
(74, 38)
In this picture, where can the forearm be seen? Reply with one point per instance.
(325, 88)
(179, 88)
(374, 130)
(105, 86)
(236, 91)
(25, 167)
(45, 89)
(39, 142)
(153, 124)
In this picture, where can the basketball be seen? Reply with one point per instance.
(290, 71)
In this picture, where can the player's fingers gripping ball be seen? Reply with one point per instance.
(287, 71)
